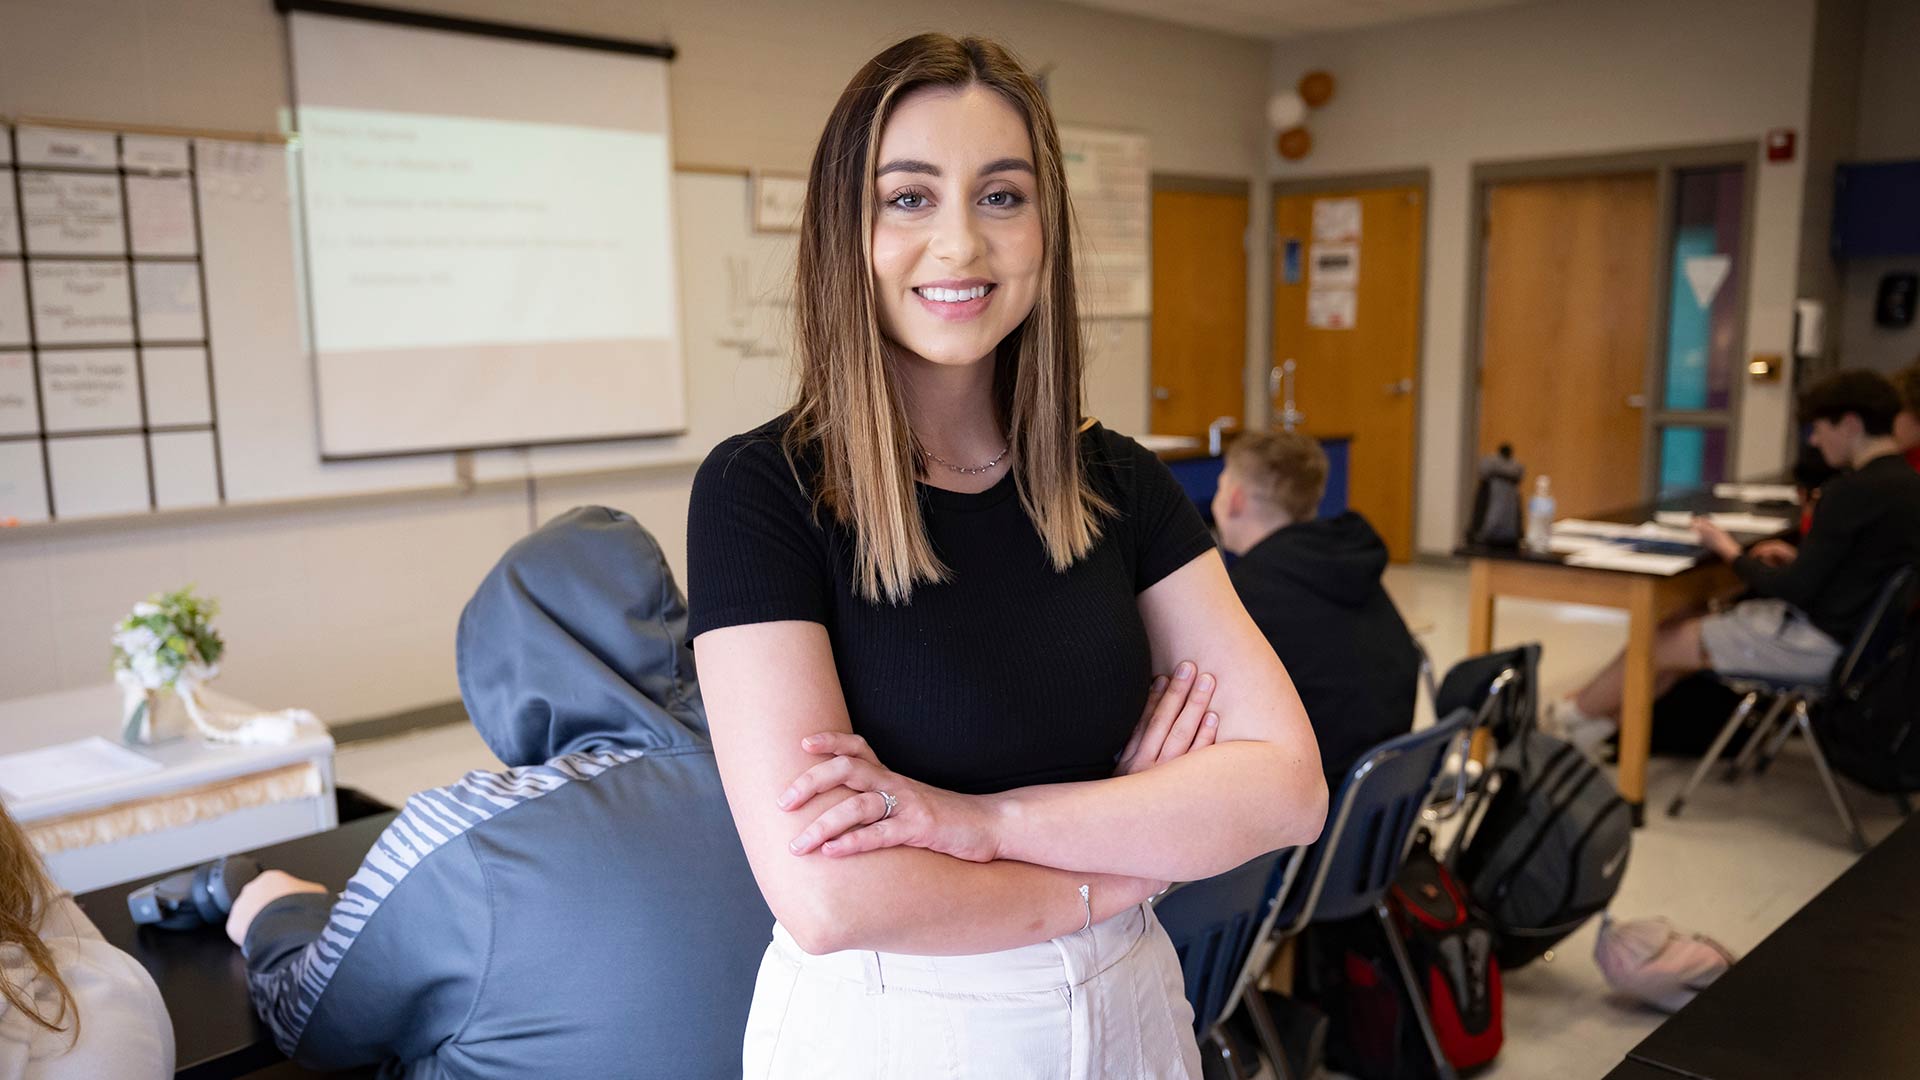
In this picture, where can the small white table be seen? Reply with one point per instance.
(205, 800)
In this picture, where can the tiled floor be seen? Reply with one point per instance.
(1737, 864)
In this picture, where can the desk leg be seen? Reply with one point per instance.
(1479, 608)
(1480, 599)
(1636, 704)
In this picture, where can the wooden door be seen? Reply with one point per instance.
(1199, 309)
(1356, 358)
(1566, 301)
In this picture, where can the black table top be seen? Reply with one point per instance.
(1640, 1070)
(1693, 502)
(1834, 993)
(200, 973)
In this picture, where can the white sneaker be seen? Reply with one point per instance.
(1588, 734)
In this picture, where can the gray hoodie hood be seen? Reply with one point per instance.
(576, 641)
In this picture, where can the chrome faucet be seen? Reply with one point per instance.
(1214, 430)
(1281, 381)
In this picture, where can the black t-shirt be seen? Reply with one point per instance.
(1866, 526)
(1007, 674)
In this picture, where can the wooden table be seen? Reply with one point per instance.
(1648, 600)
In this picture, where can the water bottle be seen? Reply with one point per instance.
(1540, 517)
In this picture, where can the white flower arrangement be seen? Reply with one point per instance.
(165, 646)
(164, 653)
(167, 637)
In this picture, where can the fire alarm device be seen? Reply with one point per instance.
(1780, 144)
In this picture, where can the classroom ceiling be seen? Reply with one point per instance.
(1273, 19)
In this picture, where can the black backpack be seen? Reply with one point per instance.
(1867, 730)
(1549, 847)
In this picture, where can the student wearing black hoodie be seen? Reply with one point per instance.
(1313, 587)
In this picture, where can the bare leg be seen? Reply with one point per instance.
(1676, 653)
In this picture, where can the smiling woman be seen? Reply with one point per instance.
(929, 602)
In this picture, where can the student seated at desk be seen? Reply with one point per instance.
(587, 912)
(71, 1005)
(1313, 587)
(1807, 601)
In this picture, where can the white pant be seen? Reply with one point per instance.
(1102, 1004)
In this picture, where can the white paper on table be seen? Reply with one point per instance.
(1756, 492)
(1614, 530)
(32, 774)
(1568, 543)
(1733, 521)
(1638, 562)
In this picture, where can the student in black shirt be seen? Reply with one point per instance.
(928, 603)
(1808, 602)
(1313, 587)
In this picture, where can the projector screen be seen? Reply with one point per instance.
(489, 237)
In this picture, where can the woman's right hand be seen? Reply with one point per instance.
(1174, 722)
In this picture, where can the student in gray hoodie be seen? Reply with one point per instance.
(589, 911)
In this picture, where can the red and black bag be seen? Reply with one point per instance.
(1452, 953)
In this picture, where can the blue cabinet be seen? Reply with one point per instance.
(1876, 210)
(1200, 476)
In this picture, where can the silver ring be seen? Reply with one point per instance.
(891, 804)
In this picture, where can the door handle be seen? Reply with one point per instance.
(1161, 393)
(1636, 401)
(1401, 388)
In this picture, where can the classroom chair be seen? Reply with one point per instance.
(1790, 704)
(1348, 870)
(1215, 925)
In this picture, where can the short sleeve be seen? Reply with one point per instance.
(754, 551)
(1168, 530)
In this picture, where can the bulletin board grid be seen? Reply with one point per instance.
(163, 354)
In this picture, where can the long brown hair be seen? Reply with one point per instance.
(850, 409)
(25, 896)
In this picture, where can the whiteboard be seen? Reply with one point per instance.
(736, 318)
(735, 299)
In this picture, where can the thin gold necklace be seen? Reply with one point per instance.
(974, 470)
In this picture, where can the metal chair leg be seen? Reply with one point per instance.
(1805, 725)
(1713, 752)
(1265, 1030)
(1441, 1066)
(1777, 743)
(1773, 723)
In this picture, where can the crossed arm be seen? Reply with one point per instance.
(979, 874)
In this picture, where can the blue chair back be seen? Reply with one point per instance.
(1886, 620)
(1213, 924)
(1358, 856)
(1475, 684)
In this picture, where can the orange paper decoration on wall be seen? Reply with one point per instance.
(1295, 143)
(1316, 88)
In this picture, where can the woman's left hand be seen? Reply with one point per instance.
(923, 816)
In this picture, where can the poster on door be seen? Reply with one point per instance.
(1330, 309)
(1336, 220)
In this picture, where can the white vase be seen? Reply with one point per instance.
(153, 717)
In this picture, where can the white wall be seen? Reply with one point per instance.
(350, 609)
(1557, 80)
(1888, 129)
